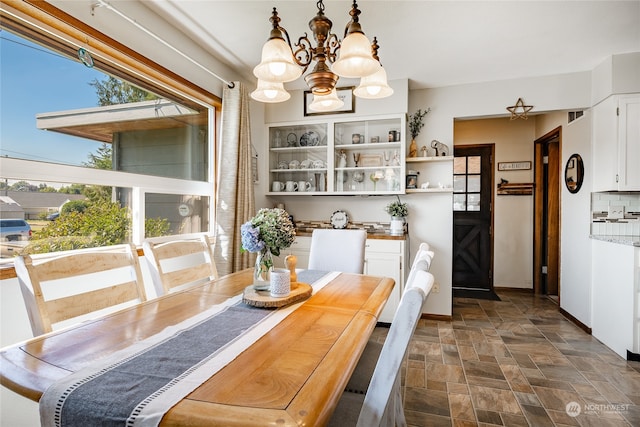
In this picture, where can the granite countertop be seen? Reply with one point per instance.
(375, 230)
(623, 240)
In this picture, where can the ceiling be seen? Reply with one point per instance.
(430, 43)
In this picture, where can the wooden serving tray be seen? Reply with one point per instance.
(264, 300)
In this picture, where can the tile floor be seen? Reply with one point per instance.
(515, 362)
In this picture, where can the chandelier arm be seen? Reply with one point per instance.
(303, 55)
(333, 45)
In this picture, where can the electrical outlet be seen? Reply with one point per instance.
(436, 288)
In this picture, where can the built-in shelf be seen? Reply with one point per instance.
(428, 159)
(429, 190)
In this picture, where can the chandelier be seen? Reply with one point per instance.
(281, 62)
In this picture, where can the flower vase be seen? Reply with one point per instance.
(396, 227)
(262, 271)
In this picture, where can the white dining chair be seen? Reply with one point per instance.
(424, 253)
(381, 405)
(63, 286)
(177, 264)
(337, 250)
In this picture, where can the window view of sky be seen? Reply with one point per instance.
(35, 80)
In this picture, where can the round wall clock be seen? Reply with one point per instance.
(339, 219)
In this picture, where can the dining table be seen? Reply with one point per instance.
(288, 366)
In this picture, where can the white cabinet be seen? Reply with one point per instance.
(355, 156)
(387, 258)
(616, 278)
(616, 144)
(382, 257)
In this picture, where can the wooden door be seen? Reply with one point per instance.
(473, 218)
(546, 225)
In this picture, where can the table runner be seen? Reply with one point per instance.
(138, 385)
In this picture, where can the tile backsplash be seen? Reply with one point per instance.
(615, 214)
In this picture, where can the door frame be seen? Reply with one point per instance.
(553, 197)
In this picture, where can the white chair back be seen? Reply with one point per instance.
(337, 250)
(176, 264)
(61, 286)
(382, 403)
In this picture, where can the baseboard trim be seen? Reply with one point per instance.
(439, 317)
(578, 323)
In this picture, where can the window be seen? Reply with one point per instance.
(466, 183)
(77, 118)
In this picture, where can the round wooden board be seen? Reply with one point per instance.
(264, 300)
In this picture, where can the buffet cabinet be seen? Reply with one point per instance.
(354, 156)
(382, 257)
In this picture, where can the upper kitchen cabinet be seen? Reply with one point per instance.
(616, 143)
(346, 157)
(298, 158)
(369, 156)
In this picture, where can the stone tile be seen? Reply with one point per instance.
(436, 385)
(562, 418)
(464, 423)
(461, 407)
(552, 398)
(457, 388)
(423, 419)
(511, 420)
(467, 352)
(489, 417)
(543, 382)
(562, 373)
(415, 377)
(516, 380)
(488, 382)
(527, 399)
(491, 399)
(450, 354)
(428, 401)
(445, 373)
(483, 369)
(491, 349)
(610, 392)
(537, 416)
(523, 360)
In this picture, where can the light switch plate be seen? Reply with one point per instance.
(616, 212)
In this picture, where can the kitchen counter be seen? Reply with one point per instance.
(622, 240)
(375, 230)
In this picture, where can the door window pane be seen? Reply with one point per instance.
(474, 164)
(459, 184)
(459, 165)
(459, 202)
(473, 202)
(473, 183)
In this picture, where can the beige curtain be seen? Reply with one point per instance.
(235, 202)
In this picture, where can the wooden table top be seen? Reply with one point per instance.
(293, 375)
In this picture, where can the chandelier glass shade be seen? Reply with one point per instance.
(328, 102)
(270, 92)
(281, 62)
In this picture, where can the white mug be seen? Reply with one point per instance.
(280, 283)
(304, 186)
(291, 186)
(277, 186)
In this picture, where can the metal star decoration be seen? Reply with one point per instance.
(519, 110)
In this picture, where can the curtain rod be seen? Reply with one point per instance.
(102, 3)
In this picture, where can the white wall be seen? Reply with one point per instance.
(513, 215)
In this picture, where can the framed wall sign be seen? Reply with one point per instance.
(514, 166)
(344, 93)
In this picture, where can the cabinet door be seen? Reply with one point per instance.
(386, 265)
(605, 145)
(629, 143)
(298, 159)
(299, 248)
